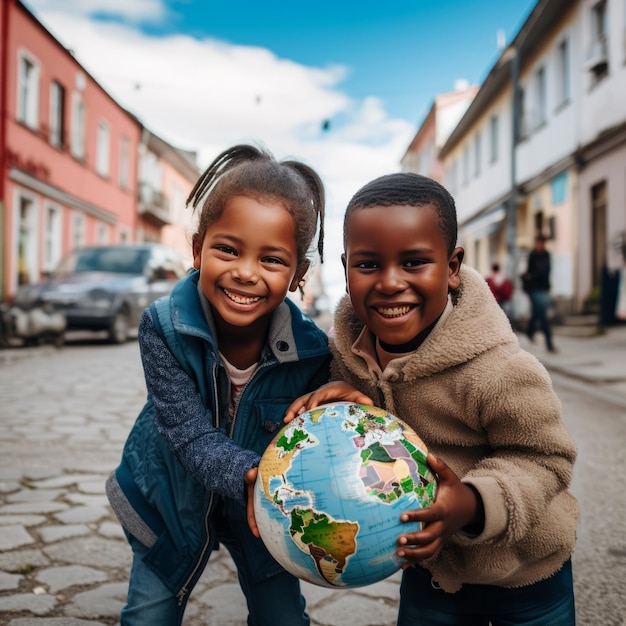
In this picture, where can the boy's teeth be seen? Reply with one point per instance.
(395, 311)
(240, 299)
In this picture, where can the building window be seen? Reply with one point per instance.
(540, 97)
(466, 164)
(563, 73)
(103, 233)
(494, 138)
(78, 126)
(521, 121)
(124, 235)
(78, 230)
(477, 153)
(598, 62)
(124, 162)
(28, 91)
(57, 114)
(453, 177)
(102, 149)
(598, 231)
(27, 219)
(52, 238)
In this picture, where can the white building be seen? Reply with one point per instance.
(552, 160)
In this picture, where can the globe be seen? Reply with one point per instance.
(330, 490)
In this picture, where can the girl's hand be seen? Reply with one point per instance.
(336, 391)
(456, 505)
(250, 481)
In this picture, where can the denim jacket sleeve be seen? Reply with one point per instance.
(205, 451)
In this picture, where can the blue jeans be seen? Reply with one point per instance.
(549, 602)
(540, 303)
(263, 581)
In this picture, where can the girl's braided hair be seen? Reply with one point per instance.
(245, 170)
(406, 188)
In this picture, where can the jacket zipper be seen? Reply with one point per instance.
(184, 591)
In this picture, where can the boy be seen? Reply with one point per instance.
(423, 337)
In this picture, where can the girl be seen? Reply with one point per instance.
(223, 358)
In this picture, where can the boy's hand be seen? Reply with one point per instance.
(336, 391)
(250, 480)
(456, 505)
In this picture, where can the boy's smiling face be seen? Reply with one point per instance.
(398, 271)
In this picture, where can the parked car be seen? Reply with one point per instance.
(103, 287)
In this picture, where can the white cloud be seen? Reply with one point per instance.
(128, 10)
(207, 95)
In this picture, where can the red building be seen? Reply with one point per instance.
(68, 154)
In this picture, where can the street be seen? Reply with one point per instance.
(64, 417)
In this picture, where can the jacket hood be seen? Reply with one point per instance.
(461, 335)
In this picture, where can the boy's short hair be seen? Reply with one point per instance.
(406, 188)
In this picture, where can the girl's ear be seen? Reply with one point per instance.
(454, 267)
(299, 276)
(196, 246)
(345, 270)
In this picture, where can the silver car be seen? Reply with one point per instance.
(104, 287)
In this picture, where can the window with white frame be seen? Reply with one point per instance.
(103, 233)
(78, 126)
(26, 220)
(541, 98)
(477, 153)
(563, 72)
(52, 238)
(57, 114)
(124, 172)
(28, 90)
(466, 164)
(78, 230)
(494, 138)
(598, 61)
(103, 148)
(453, 177)
(124, 234)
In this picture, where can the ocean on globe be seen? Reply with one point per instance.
(330, 490)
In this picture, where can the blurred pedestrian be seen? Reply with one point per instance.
(537, 285)
(500, 285)
(223, 357)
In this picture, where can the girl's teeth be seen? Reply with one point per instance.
(240, 299)
(395, 311)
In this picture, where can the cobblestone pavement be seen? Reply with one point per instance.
(64, 416)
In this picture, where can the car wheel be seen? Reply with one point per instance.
(118, 331)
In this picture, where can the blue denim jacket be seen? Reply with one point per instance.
(184, 453)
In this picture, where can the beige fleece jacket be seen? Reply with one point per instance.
(487, 408)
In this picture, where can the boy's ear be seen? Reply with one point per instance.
(345, 270)
(454, 267)
(299, 275)
(196, 247)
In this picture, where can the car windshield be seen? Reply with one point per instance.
(115, 260)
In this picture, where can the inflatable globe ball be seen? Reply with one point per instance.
(330, 490)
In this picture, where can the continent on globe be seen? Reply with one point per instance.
(330, 491)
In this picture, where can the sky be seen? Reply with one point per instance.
(342, 86)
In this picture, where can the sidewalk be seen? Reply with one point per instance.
(599, 361)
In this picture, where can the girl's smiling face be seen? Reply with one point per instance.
(398, 271)
(248, 260)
